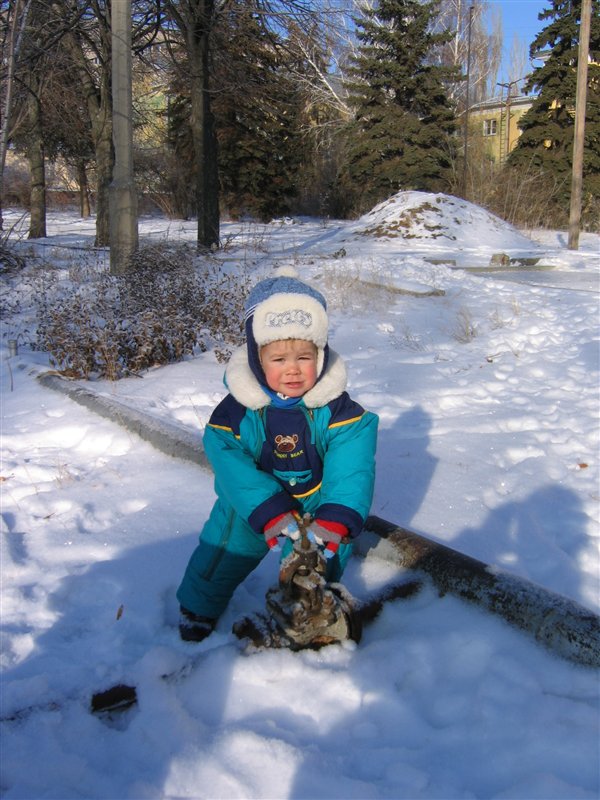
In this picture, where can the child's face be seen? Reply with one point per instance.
(290, 366)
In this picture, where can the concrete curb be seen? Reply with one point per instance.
(407, 292)
(164, 436)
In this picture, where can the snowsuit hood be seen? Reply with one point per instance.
(242, 383)
(284, 307)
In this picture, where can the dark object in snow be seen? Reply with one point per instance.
(305, 612)
(117, 698)
(557, 622)
(264, 631)
(500, 260)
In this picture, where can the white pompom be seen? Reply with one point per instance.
(285, 271)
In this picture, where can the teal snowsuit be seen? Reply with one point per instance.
(317, 457)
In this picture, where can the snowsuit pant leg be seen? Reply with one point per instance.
(227, 552)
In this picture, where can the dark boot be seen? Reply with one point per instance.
(194, 627)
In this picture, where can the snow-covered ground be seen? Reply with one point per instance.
(488, 395)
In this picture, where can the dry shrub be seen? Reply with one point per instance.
(528, 198)
(465, 329)
(164, 309)
(16, 185)
(11, 261)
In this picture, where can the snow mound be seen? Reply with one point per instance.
(439, 218)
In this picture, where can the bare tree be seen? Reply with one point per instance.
(34, 75)
(13, 29)
(485, 48)
(518, 63)
(320, 44)
(87, 43)
(195, 20)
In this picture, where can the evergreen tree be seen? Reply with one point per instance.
(401, 137)
(546, 142)
(258, 109)
(256, 112)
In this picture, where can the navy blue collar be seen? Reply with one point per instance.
(279, 400)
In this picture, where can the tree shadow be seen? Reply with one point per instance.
(540, 538)
(402, 486)
(117, 624)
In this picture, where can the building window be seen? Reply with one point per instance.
(489, 127)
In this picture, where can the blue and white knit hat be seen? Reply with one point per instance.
(283, 307)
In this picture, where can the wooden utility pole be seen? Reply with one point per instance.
(123, 226)
(579, 135)
(466, 128)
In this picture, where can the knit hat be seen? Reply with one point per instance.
(283, 307)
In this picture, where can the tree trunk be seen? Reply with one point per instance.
(556, 622)
(579, 134)
(123, 200)
(203, 125)
(35, 156)
(104, 170)
(9, 58)
(84, 190)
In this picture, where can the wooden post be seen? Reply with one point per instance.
(558, 623)
(466, 127)
(579, 135)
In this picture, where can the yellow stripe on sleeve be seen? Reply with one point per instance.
(345, 422)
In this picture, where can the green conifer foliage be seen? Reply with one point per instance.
(257, 109)
(257, 112)
(401, 137)
(546, 142)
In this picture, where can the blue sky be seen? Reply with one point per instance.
(521, 17)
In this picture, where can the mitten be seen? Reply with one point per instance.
(330, 534)
(282, 525)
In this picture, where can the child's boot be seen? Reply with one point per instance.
(194, 627)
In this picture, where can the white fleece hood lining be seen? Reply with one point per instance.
(244, 387)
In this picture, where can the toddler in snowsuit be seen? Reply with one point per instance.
(286, 440)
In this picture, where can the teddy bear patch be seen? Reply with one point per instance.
(286, 444)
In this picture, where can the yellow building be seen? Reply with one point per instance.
(494, 124)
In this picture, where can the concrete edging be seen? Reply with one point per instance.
(164, 436)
